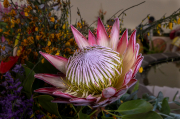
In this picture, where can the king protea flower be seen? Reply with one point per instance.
(99, 73)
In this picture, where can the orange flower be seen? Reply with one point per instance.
(6, 3)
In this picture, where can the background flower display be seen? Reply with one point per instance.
(27, 29)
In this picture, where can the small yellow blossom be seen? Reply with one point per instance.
(159, 25)
(1, 30)
(26, 14)
(175, 21)
(37, 37)
(19, 30)
(49, 43)
(64, 26)
(170, 25)
(52, 19)
(13, 13)
(36, 29)
(6, 3)
(19, 52)
(67, 44)
(178, 21)
(121, 101)
(140, 69)
(158, 31)
(42, 61)
(57, 53)
(148, 33)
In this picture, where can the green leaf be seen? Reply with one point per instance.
(165, 106)
(28, 82)
(177, 103)
(134, 107)
(148, 115)
(136, 87)
(45, 102)
(175, 95)
(83, 116)
(160, 96)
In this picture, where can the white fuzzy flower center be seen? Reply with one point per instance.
(93, 69)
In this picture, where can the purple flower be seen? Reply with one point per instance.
(12, 102)
(18, 69)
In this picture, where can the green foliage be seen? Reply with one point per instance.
(148, 115)
(134, 107)
(165, 106)
(45, 102)
(28, 82)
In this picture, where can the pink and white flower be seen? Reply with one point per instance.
(99, 73)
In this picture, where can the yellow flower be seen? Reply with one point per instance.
(64, 26)
(26, 14)
(19, 30)
(159, 25)
(52, 19)
(13, 13)
(58, 53)
(175, 21)
(37, 37)
(148, 16)
(42, 61)
(6, 3)
(170, 25)
(148, 33)
(36, 29)
(178, 21)
(67, 44)
(158, 31)
(18, 52)
(121, 101)
(49, 43)
(140, 69)
(1, 30)
(18, 21)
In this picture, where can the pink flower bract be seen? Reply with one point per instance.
(99, 73)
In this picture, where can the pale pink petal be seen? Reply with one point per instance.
(58, 62)
(136, 50)
(83, 104)
(132, 41)
(123, 42)
(61, 100)
(103, 102)
(81, 100)
(108, 92)
(129, 56)
(46, 90)
(121, 92)
(137, 66)
(102, 37)
(127, 77)
(91, 38)
(80, 39)
(131, 82)
(63, 95)
(89, 97)
(114, 37)
(98, 99)
(55, 80)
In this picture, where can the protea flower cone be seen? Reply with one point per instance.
(97, 74)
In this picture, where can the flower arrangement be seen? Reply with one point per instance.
(84, 74)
